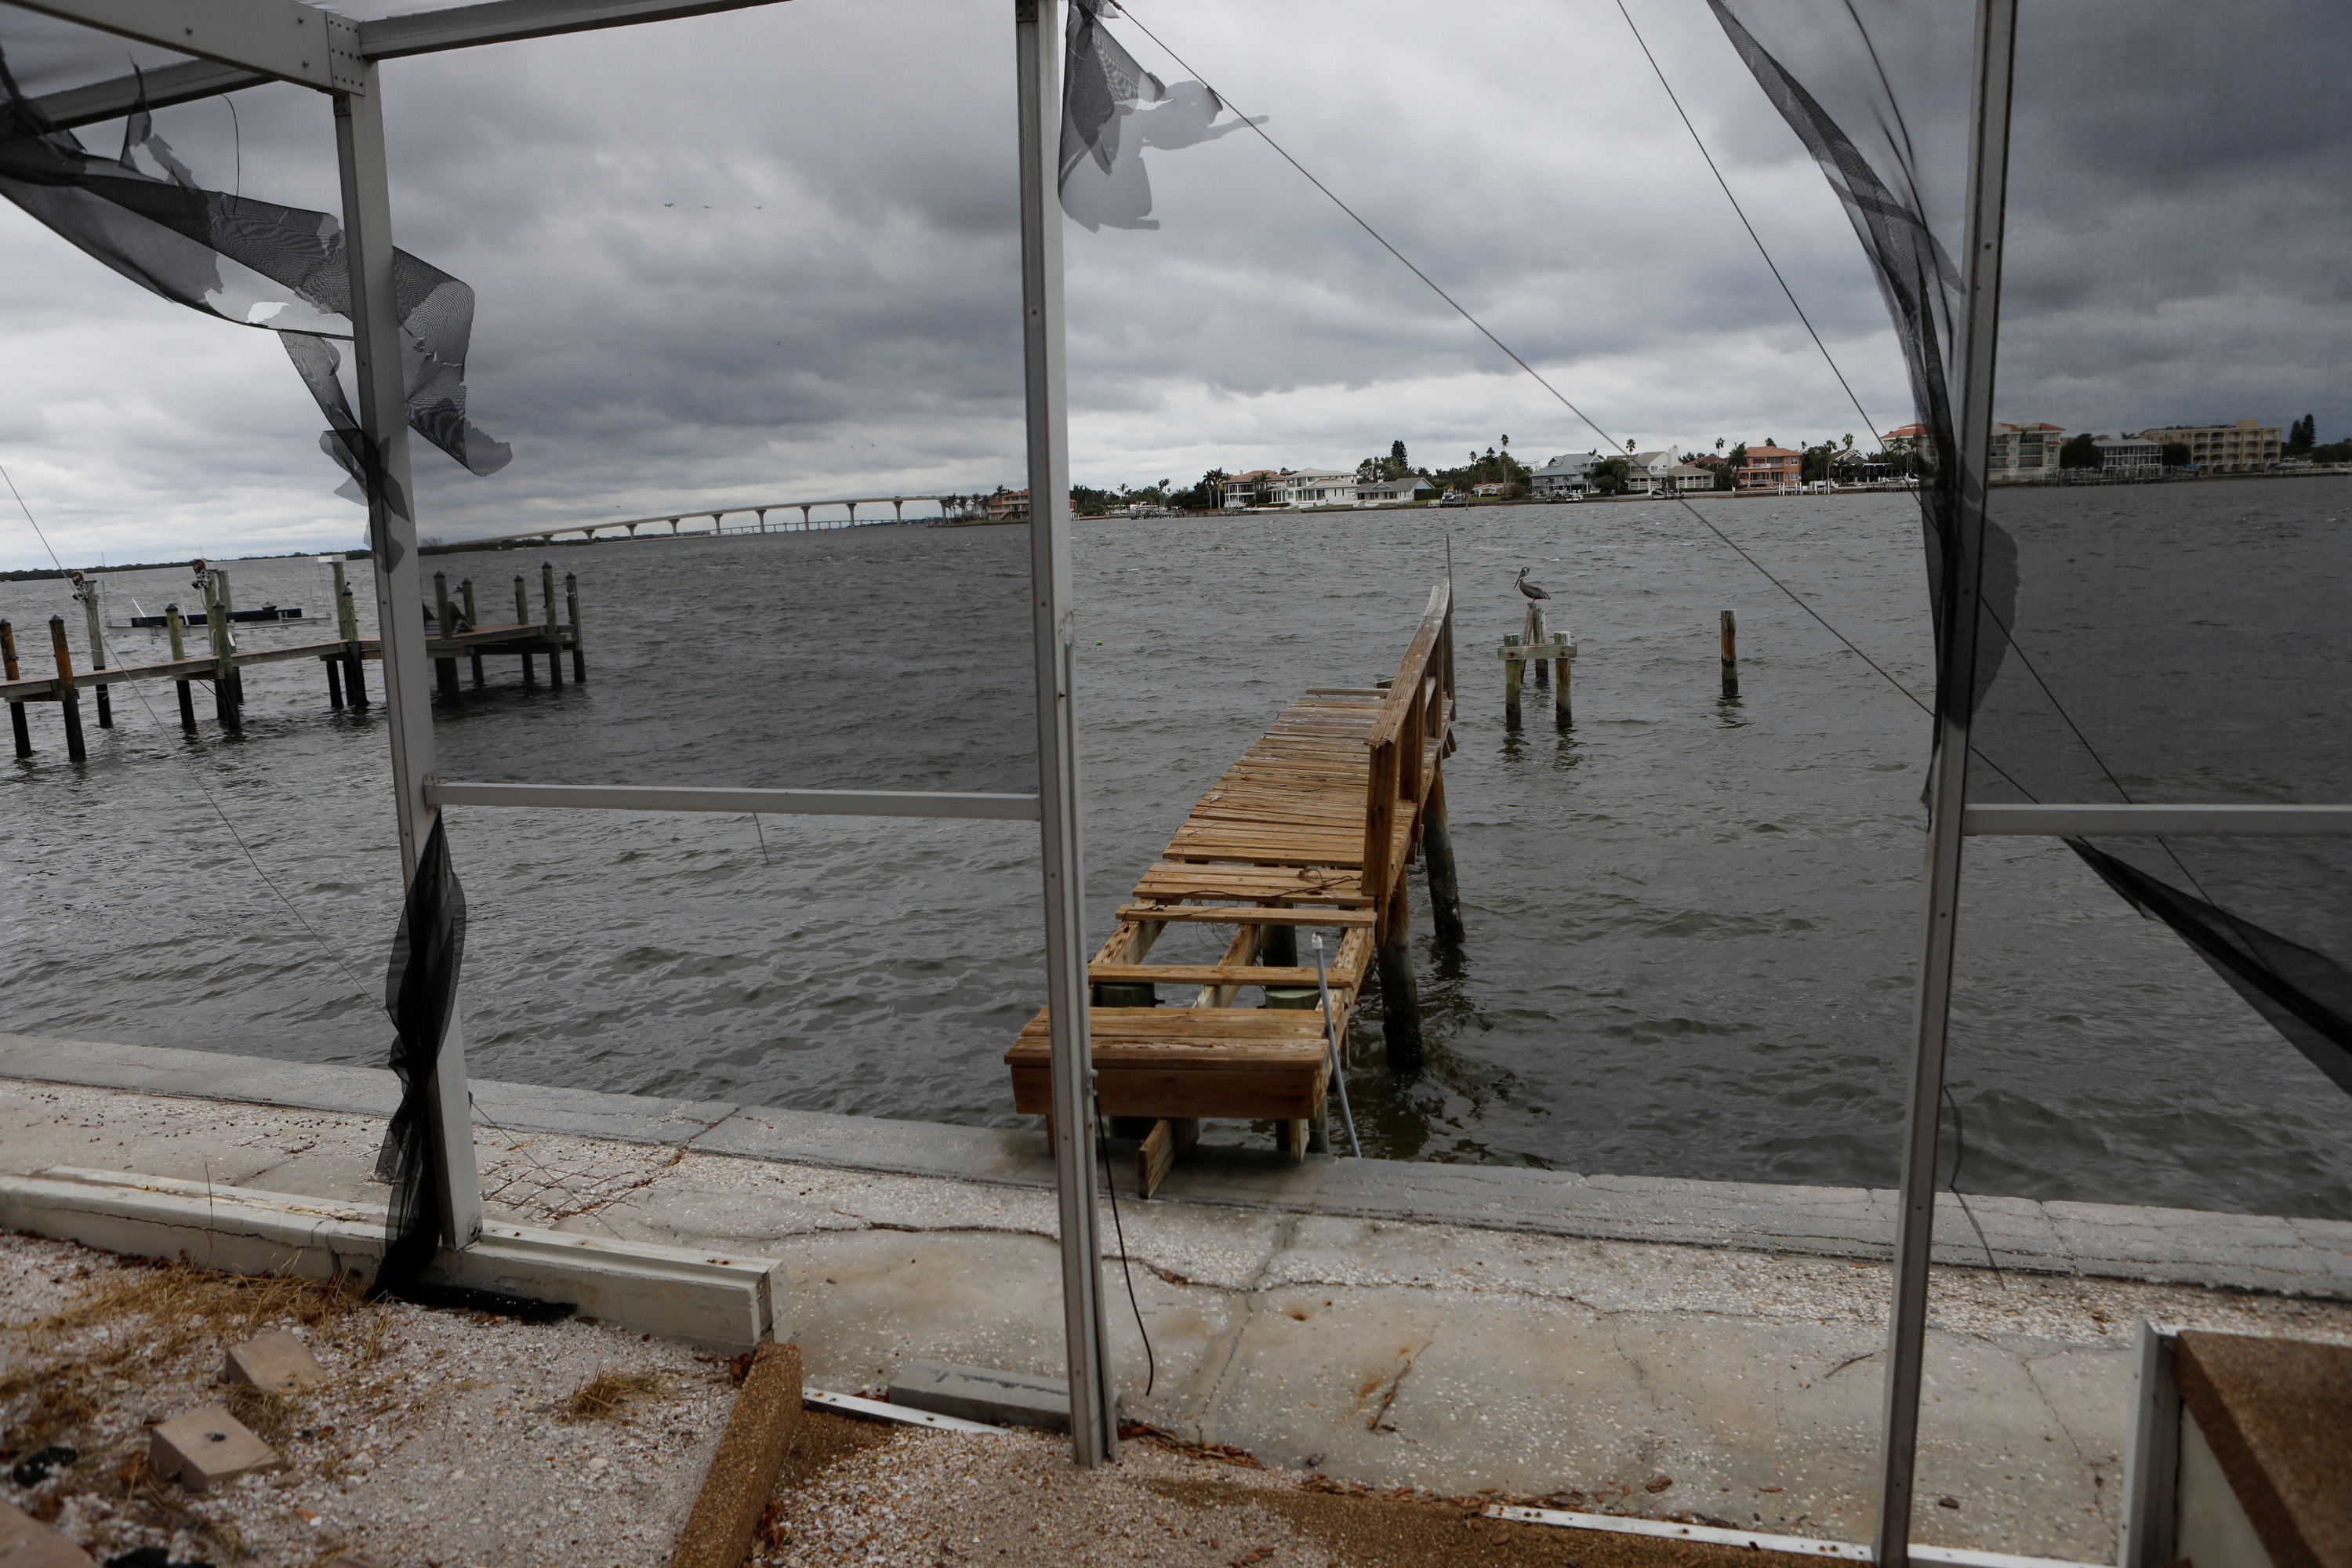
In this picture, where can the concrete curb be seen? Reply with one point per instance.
(2253, 1252)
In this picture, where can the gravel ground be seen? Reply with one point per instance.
(443, 1439)
(927, 1499)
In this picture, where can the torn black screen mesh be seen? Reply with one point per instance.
(143, 213)
(2173, 251)
(420, 992)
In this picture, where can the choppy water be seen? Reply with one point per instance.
(1691, 922)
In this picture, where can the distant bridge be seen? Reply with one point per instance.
(897, 505)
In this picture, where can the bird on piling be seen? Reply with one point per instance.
(1531, 590)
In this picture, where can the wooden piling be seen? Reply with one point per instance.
(1535, 637)
(16, 709)
(86, 590)
(445, 670)
(554, 634)
(174, 629)
(69, 701)
(227, 650)
(1437, 860)
(1400, 995)
(466, 589)
(1561, 673)
(523, 618)
(225, 694)
(334, 682)
(347, 626)
(1730, 655)
(1512, 667)
(571, 612)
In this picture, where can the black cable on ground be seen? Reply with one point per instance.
(1150, 1362)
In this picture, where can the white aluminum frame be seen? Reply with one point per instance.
(250, 41)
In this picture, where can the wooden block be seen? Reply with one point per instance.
(1155, 1156)
(743, 1474)
(277, 1362)
(27, 1542)
(205, 1448)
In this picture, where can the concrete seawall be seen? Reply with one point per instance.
(1452, 1327)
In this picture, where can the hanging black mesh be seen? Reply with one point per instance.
(2152, 634)
(253, 262)
(420, 991)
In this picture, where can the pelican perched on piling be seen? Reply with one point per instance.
(1531, 590)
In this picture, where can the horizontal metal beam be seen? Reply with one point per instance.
(508, 21)
(389, 38)
(739, 802)
(284, 40)
(166, 85)
(2160, 821)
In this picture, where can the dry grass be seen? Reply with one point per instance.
(604, 1396)
(146, 1323)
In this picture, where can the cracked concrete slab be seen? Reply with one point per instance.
(2311, 1257)
(1742, 1381)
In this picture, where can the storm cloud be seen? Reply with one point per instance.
(771, 255)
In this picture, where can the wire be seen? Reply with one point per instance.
(1868, 424)
(1959, 1154)
(236, 130)
(1150, 1362)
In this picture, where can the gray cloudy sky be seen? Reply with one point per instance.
(771, 255)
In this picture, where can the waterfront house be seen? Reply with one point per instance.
(1780, 467)
(1564, 476)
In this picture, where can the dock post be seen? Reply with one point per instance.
(1730, 655)
(445, 670)
(174, 628)
(347, 621)
(69, 701)
(466, 592)
(334, 663)
(228, 640)
(1536, 637)
(1512, 668)
(1437, 859)
(16, 709)
(225, 694)
(554, 633)
(523, 618)
(1561, 668)
(86, 590)
(571, 612)
(1400, 995)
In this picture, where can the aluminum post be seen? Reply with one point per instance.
(1093, 1426)
(392, 542)
(1956, 673)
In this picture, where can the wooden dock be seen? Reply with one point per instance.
(342, 658)
(1312, 829)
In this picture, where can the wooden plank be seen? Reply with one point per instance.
(1245, 914)
(1240, 1096)
(1169, 1137)
(1197, 975)
(1178, 879)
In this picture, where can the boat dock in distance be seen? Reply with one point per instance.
(1312, 829)
(457, 633)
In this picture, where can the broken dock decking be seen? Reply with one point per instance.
(1313, 827)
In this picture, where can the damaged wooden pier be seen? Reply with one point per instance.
(1312, 829)
(457, 633)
